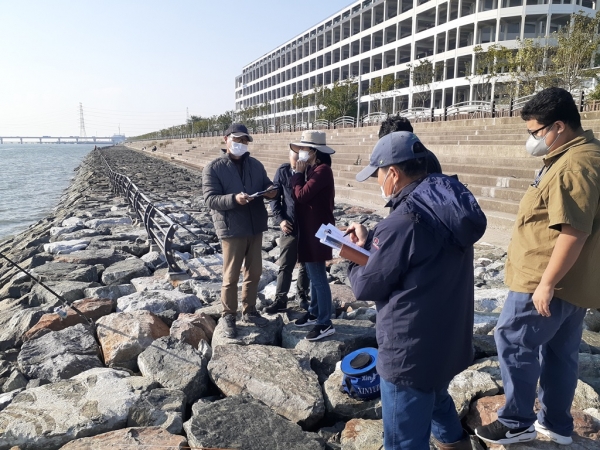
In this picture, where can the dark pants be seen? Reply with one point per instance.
(287, 261)
(532, 347)
(320, 293)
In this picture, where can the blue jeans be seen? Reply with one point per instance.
(320, 292)
(532, 347)
(411, 415)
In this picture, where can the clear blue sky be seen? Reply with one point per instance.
(133, 63)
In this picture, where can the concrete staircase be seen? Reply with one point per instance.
(488, 155)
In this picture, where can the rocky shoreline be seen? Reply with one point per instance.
(156, 368)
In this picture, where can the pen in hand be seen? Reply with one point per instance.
(360, 223)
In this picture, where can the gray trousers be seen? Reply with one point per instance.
(532, 347)
(288, 257)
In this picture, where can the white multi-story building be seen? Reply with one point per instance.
(376, 38)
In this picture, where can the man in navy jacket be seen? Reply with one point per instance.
(282, 207)
(420, 274)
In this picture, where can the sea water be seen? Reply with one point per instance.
(32, 179)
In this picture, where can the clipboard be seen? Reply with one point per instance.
(332, 237)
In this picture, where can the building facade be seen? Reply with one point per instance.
(372, 39)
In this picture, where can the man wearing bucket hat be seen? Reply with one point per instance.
(420, 274)
(314, 192)
(228, 183)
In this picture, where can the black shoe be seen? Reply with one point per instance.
(498, 433)
(229, 329)
(278, 305)
(320, 332)
(306, 320)
(302, 301)
(254, 318)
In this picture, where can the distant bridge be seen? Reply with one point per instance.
(113, 140)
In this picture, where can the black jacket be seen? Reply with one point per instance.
(221, 182)
(282, 206)
(420, 274)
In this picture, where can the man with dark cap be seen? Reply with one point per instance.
(240, 219)
(420, 275)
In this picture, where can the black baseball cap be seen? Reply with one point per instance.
(238, 130)
(391, 149)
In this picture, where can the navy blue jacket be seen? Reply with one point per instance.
(420, 274)
(282, 205)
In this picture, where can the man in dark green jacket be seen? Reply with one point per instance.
(228, 183)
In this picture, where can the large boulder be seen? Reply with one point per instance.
(123, 336)
(177, 365)
(89, 307)
(349, 335)
(159, 301)
(61, 271)
(16, 319)
(68, 290)
(66, 247)
(106, 257)
(340, 406)
(59, 355)
(193, 328)
(161, 408)
(241, 422)
(282, 379)
(248, 334)
(490, 300)
(112, 292)
(49, 416)
(108, 222)
(469, 385)
(130, 438)
(123, 271)
(585, 397)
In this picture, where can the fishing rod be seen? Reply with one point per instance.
(61, 313)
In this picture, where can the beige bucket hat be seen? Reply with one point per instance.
(314, 139)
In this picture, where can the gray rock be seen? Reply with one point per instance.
(269, 274)
(589, 365)
(140, 438)
(490, 300)
(153, 259)
(7, 398)
(69, 290)
(585, 397)
(361, 434)
(112, 292)
(349, 335)
(206, 291)
(133, 248)
(240, 422)
(123, 271)
(159, 408)
(16, 319)
(248, 334)
(60, 271)
(286, 383)
(176, 365)
(80, 234)
(340, 406)
(90, 403)
(484, 346)
(491, 366)
(159, 301)
(66, 247)
(113, 222)
(59, 355)
(15, 381)
(592, 340)
(592, 320)
(470, 385)
(483, 324)
(106, 257)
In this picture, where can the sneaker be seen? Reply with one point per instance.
(278, 305)
(254, 318)
(306, 320)
(498, 433)
(558, 438)
(320, 332)
(230, 330)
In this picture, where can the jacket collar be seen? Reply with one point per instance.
(583, 138)
(395, 202)
(226, 155)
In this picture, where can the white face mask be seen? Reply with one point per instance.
(538, 147)
(303, 155)
(238, 149)
(387, 198)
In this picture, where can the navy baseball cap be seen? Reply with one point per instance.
(238, 130)
(391, 149)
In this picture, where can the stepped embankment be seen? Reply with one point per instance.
(155, 368)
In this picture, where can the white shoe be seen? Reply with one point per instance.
(558, 438)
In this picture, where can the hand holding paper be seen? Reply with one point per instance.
(334, 238)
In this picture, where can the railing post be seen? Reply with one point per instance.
(445, 113)
(581, 96)
(511, 104)
(493, 109)
(432, 113)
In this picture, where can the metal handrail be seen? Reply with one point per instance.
(342, 122)
(160, 228)
(320, 124)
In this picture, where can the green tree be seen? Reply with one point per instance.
(337, 101)
(490, 64)
(422, 75)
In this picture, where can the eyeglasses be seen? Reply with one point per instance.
(240, 140)
(534, 133)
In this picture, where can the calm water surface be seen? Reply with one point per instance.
(32, 179)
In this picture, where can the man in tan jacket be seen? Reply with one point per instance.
(552, 275)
